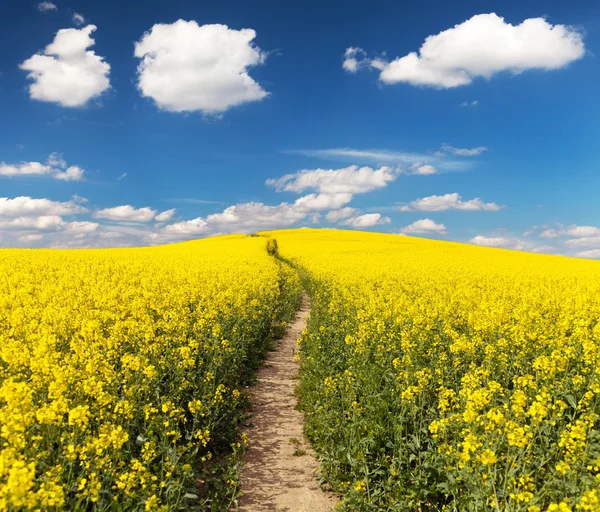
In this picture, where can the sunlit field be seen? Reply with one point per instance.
(121, 371)
(443, 376)
(433, 375)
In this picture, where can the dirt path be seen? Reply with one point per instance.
(276, 475)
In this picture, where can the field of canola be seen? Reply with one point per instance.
(121, 371)
(442, 376)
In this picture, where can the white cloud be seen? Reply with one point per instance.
(126, 213)
(78, 199)
(53, 168)
(186, 228)
(322, 201)
(405, 162)
(186, 67)
(424, 226)
(482, 46)
(594, 253)
(424, 170)
(82, 226)
(25, 206)
(342, 213)
(78, 19)
(33, 237)
(449, 202)
(73, 173)
(165, 216)
(41, 222)
(67, 72)
(239, 218)
(372, 155)
(56, 160)
(46, 6)
(252, 216)
(579, 236)
(473, 103)
(582, 231)
(366, 221)
(489, 241)
(122, 176)
(550, 233)
(586, 241)
(349, 180)
(354, 59)
(447, 149)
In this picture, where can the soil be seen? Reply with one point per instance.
(279, 467)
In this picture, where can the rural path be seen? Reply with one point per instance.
(279, 466)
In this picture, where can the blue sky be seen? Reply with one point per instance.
(486, 134)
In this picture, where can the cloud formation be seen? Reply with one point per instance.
(348, 180)
(366, 221)
(66, 72)
(342, 213)
(165, 216)
(449, 202)
(55, 167)
(448, 149)
(46, 6)
(480, 47)
(493, 241)
(78, 19)
(424, 227)
(186, 67)
(126, 213)
(25, 206)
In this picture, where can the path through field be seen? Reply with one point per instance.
(278, 471)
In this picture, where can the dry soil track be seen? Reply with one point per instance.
(279, 467)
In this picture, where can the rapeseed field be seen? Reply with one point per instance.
(443, 376)
(434, 375)
(121, 371)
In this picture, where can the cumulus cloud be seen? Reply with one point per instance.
(424, 226)
(73, 173)
(342, 213)
(348, 180)
(449, 202)
(480, 47)
(24, 206)
(572, 231)
(493, 241)
(33, 237)
(46, 6)
(586, 241)
(594, 253)
(67, 72)
(322, 201)
(126, 213)
(252, 216)
(354, 59)
(78, 19)
(423, 170)
(239, 218)
(366, 221)
(42, 222)
(186, 228)
(165, 216)
(448, 149)
(186, 67)
(55, 167)
(82, 226)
